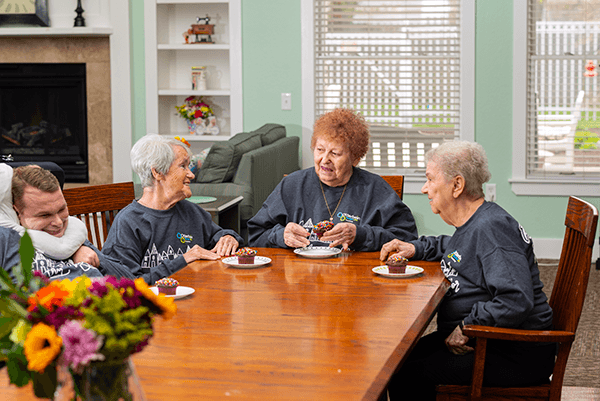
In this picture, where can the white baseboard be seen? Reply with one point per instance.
(550, 248)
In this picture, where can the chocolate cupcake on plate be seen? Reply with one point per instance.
(396, 264)
(167, 286)
(245, 256)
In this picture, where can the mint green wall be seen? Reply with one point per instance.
(271, 47)
(271, 63)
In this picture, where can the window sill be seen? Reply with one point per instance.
(523, 187)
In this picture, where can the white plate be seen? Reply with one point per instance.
(258, 261)
(317, 252)
(181, 292)
(410, 271)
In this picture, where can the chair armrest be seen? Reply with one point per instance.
(500, 333)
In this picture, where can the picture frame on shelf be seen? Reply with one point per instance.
(24, 12)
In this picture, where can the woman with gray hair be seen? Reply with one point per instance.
(494, 278)
(161, 232)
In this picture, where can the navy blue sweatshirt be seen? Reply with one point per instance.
(493, 270)
(368, 202)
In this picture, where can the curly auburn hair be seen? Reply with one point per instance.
(346, 126)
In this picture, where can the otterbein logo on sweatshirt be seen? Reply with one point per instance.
(348, 217)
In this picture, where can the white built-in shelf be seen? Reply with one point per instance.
(189, 92)
(190, 1)
(169, 62)
(43, 31)
(193, 46)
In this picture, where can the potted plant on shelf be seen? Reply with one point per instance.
(198, 115)
(74, 338)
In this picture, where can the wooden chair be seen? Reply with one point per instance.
(396, 182)
(97, 206)
(568, 295)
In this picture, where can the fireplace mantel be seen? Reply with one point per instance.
(71, 32)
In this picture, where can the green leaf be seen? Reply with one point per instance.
(7, 324)
(16, 366)
(27, 253)
(11, 308)
(6, 282)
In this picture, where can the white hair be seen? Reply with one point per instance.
(153, 152)
(463, 158)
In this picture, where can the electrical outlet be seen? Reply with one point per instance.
(286, 101)
(490, 192)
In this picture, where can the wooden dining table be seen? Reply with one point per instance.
(296, 328)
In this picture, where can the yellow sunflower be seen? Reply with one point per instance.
(166, 305)
(41, 346)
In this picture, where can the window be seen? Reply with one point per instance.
(402, 64)
(557, 47)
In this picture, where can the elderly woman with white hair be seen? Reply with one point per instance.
(494, 277)
(162, 232)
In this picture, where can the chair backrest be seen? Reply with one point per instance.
(396, 182)
(570, 285)
(97, 206)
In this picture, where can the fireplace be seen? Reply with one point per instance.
(43, 115)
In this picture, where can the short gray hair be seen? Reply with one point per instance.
(467, 159)
(153, 151)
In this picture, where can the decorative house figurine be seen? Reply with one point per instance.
(202, 31)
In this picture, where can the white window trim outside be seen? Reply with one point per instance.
(519, 183)
(412, 183)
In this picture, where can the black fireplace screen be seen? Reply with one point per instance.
(43, 115)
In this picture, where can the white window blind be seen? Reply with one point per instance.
(398, 63)
(563, 117)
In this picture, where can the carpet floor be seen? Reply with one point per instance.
(584, 360)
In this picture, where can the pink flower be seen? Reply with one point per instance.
(80, 345)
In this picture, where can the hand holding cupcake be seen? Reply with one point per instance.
(322, 227)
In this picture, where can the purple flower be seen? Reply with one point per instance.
(61, 314)
(80, 345)
(99, 289)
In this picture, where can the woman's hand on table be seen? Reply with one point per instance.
(199, 253)
(396, 246)
(295, 236)
(226, 246)
(457, 342)
(341, 234)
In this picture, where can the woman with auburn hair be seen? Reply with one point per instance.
(364, 209)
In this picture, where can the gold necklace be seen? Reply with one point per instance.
(327, 204)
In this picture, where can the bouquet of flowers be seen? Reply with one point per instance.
(194, 108)
(80, 325)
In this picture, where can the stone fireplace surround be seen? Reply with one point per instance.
(103, 45)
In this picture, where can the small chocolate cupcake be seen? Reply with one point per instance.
(167, 286)
(396, 264)
(245, 256)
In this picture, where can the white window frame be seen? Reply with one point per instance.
(520, 184)
(412, 183)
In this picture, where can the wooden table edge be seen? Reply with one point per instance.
(396, 360)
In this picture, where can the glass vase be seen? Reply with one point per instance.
(100, 381)
(192, 127)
